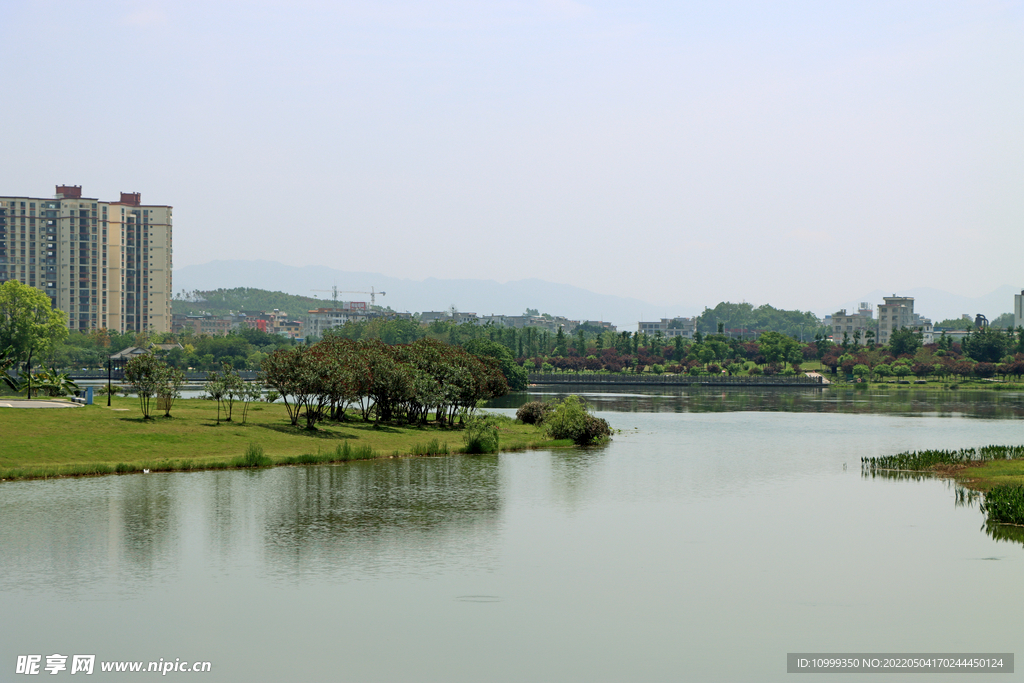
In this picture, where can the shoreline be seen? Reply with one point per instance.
(98, 441)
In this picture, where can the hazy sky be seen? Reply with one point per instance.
(794, 153)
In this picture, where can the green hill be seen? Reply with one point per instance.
(222, 301)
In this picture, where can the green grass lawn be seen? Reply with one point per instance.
(99, 440)
(992, 473)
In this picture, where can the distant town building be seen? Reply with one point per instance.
(458, 317)
(896, 313)
(321, 320)
(606, 327)
(119, 359)
(669, 327)
(106, 264)
(853, 327)
(214, 326)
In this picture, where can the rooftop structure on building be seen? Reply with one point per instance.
(107, 264)
(119, 359)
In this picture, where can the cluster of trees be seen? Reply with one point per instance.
(147, 376)
(388, 382)
(771, 352)
(745, 321)
(986, 353)
(1004, 321)
(242, 349)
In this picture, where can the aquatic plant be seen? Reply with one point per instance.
(929, 459)
(1004, 504)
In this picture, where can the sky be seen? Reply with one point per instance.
(792, 153)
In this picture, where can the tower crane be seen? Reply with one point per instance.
(335, 291)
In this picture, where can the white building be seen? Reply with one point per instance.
(669, 327)
(320, 320)
(852, 327)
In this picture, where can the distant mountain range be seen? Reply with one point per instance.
(483, 297)
(487, 297)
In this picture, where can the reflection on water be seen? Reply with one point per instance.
(345, 521)
(917, 402)
(648, 558)
(351, 518)
(1007, 533)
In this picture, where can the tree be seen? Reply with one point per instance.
(169, 388)
(777, 347)
(901, 370)
(144, 375)
(6, 361)
(29, 325)
(281, 371)
(904, 341)
(515, 374)
(985, 345)
(561, 344)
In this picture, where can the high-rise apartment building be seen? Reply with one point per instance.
(106, 264)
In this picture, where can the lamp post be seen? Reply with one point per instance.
(108, 381)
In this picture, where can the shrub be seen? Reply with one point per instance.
(254, 457)
(534, 412)
(571, 419)
(481, 436)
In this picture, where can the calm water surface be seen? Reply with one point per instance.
(718, 532)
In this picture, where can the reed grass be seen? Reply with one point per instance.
(254, 457)
(432, 447)
(1004, 504)
(917, 461)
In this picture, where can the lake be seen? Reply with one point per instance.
(718, 531)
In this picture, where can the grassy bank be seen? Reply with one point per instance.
(979, 469)
(100, 440)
